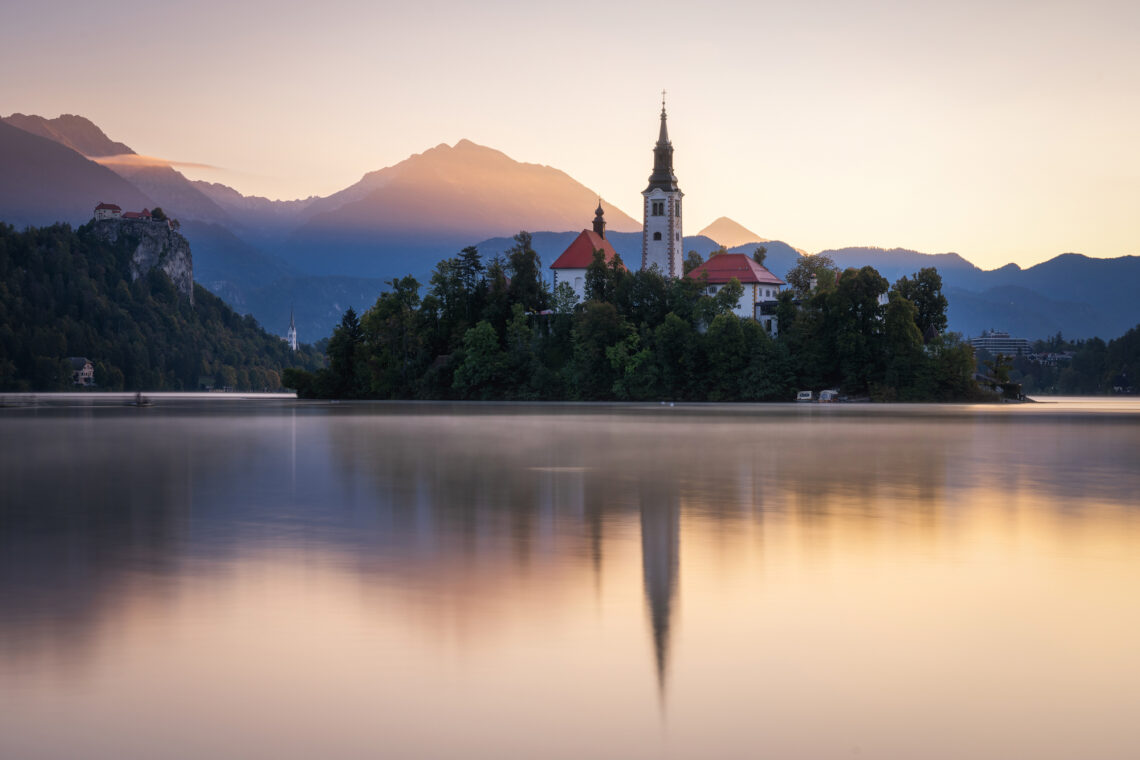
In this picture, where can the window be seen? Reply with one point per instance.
(656, 235)
(658, 208)
(677, 207)
(678, 236)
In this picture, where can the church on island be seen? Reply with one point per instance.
(662, 246)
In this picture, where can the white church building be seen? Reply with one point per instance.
(662, 246)
(571, 266)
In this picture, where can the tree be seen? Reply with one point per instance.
(395, 339)
(727, 351)
(674, 341)
(483, 373)
(564, 299)
(157, 214)
(904, 347)
(692, 261)
(526, 284)
(636, 372)
(760, 254)
(599, 282)
(346, 357)
(925, 292)
(596, 327)
(820, 266)
(856, 323)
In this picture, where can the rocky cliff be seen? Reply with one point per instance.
(156, 245)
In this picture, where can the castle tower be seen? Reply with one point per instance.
(291, 336)
(600, 220)
(661, 237)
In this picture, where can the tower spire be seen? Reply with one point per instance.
(600, 220)
(291, 336)
(663, 176)
(661, 236)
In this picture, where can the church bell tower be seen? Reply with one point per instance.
(662, 241)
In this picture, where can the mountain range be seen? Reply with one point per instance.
(320, 255)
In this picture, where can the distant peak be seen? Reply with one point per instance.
(466, 144)
(731, 234)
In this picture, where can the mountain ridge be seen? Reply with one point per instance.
(378, 228)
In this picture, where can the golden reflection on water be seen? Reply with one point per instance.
(598, 582)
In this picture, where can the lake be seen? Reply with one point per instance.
(285, 579)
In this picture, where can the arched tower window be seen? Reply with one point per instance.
(656, 235)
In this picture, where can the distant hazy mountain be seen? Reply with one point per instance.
(43, 182)
(731, 234)
(898, 262)
(321, 255)
(76, 132)
(164, 185)
(170, 189)
(260, 215)
(1080, 296)
(434, 203)
(1025, 313)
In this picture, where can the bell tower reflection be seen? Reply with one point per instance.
(660, 540)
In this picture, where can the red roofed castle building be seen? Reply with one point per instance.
(108, 211)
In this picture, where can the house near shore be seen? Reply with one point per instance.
(82, 371)
(761, 287)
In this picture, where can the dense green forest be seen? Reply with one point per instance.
(66, 293)
(494, 330)
(1077, 368)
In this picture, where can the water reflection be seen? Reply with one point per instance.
(545, 548)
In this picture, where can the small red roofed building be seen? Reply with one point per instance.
(761, 287)
(108, 211)
(571, 266)
(143, 215)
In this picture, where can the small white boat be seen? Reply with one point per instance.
(828, 396)
(804, 396)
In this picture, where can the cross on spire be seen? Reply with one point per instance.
(663, 100)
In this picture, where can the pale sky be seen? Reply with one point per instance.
(1005, 131)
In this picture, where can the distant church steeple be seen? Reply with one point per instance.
(600, 220)
(661, 238)
(291, 336)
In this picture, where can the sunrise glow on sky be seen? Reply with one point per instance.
(1005, 131)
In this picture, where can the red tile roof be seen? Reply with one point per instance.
(107, 206)
(724, 267)
(580, 253)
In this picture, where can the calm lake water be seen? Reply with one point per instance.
(292, 580)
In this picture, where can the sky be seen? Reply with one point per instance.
(1004, 131)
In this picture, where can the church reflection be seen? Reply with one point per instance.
(472, 519)
(660, 543)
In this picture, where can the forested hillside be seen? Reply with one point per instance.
(67, 293)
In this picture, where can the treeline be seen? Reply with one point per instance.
(496, 331)
(66, 293)
(1095, 368)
